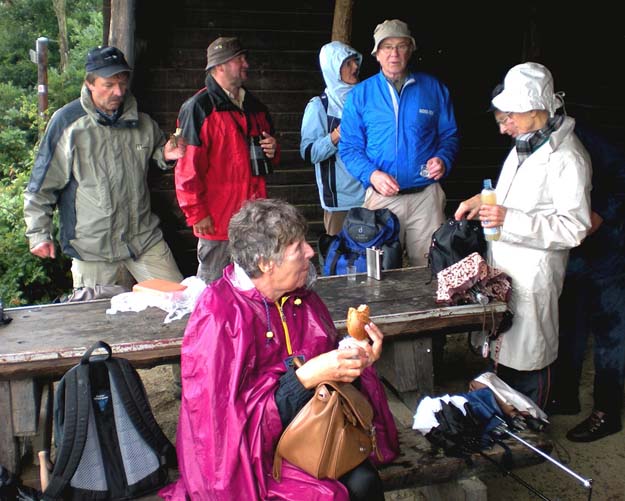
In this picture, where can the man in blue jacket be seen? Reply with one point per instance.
(399, 138)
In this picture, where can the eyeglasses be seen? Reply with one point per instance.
(401, 48)
(504, 119)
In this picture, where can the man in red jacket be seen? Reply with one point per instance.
(231, 147)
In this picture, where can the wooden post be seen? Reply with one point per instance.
(42, 75)
(342, 22)
(106, 21)
(122, 29)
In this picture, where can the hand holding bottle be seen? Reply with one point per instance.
(491, 225)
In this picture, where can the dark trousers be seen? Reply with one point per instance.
(363, 483)
(535, 385)
(597, 306)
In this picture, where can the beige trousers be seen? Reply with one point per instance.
(156, 262)
(419, 214)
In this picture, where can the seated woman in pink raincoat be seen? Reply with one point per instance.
(239, 386)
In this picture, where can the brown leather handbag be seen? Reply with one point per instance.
(331, 435)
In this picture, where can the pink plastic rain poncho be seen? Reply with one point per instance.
(229, 424)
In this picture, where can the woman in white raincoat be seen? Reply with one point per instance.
(543, 210)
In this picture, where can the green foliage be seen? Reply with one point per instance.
(19, 125)
(64, 87)
(25, 278)
(21, 23)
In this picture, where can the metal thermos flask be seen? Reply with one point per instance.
(374, 263)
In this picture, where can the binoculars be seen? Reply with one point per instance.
(260, 164)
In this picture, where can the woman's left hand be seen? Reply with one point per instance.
(492, 215)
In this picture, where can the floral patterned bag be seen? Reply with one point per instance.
(471, 280)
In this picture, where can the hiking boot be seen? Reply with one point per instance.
(596, 426)
(563, 407)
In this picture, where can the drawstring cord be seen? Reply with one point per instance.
(269, 334)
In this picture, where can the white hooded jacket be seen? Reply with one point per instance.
(548, 212)
(338, 189)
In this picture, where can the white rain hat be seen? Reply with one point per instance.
(391, 28)
(527, 86)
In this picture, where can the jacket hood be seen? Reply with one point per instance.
(331, 56)
(526, 87)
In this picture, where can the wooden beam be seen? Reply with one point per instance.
(342, 22)
(122, 29)
(106, 21)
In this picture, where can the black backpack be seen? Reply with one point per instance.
(109, 446)
(362, 228)
(453, 241)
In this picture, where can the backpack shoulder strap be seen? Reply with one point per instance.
(136, 404)
(334, 252)
(77, 396)
(324, 100)
(333, 122)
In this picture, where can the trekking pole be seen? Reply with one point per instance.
(508, 473)
(586, 482)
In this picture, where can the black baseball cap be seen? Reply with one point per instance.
(106, 61)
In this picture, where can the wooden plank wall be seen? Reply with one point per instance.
(469, 47)
(283, 39)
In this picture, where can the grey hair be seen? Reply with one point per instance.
(261, 231)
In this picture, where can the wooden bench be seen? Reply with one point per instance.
(435, 475)
(417, 465)
(43, 342)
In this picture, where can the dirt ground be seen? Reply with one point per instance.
(602, 461)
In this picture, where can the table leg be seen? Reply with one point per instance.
(9, 446)
(25, 397)
(407, 364)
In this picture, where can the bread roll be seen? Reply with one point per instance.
(357, 318)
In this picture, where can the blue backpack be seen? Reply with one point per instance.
(362, 228)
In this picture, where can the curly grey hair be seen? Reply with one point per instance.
(261, 231)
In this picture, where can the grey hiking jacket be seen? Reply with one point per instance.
(96, 173)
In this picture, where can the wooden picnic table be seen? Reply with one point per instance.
(42, 342)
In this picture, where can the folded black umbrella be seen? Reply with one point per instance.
(458, 434)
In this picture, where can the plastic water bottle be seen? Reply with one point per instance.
(489, 197)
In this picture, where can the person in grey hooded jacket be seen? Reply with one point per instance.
(339, 191)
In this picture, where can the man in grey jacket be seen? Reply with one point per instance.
(92, 164)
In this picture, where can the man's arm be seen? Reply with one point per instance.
(449, 142)
(191, 168)
(352, 145)
(50, 175)
(167, 151)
